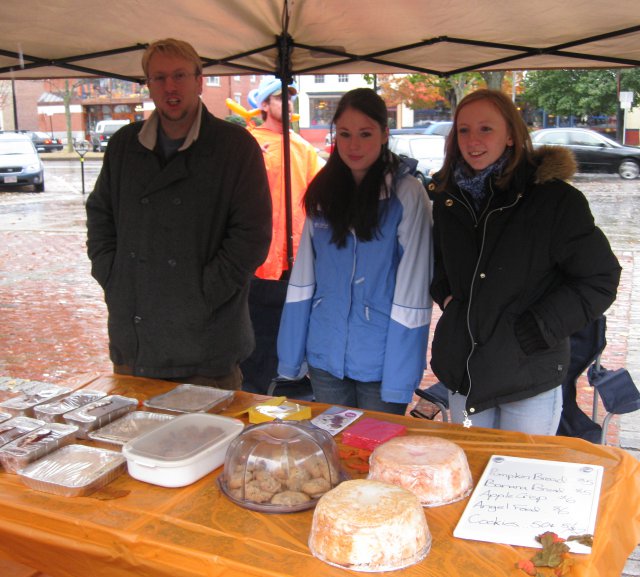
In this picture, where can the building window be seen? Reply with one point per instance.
(318, 78)
(236, 78)
(252, 78)
(237, 96)
(322, 109)
(343, 78)
(213, 81)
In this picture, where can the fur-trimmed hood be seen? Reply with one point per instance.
(553, 162)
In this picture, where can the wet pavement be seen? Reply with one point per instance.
(53, 317)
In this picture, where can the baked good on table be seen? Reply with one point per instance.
(366, 525)
(435, 469)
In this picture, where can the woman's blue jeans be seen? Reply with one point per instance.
(539, 415)
(350, 393)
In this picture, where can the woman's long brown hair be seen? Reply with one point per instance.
(522, 149)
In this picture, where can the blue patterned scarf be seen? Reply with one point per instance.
(474, 184)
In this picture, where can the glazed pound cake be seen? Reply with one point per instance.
(435, 469)
(366, 525)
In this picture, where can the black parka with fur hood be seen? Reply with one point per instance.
(524, 274)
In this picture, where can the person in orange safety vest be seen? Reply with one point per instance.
(305, 163)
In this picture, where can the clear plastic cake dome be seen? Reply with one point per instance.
(280, 467)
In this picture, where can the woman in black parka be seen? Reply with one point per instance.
(519, 267)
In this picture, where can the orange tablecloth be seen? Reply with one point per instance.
(133, 528)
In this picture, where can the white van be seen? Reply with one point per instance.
(103, 132)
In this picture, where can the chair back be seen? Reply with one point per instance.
(586, 347)
(616, 388)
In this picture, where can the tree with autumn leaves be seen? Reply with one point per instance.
(427, 91)
(560, 92)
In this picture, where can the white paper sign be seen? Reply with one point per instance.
(517, 499)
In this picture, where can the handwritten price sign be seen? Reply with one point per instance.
(517, 499)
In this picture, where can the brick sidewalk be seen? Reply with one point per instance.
(53, 317)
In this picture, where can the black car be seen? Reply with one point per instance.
(44, 143)
(593, 151)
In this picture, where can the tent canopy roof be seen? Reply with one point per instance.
(76, 38)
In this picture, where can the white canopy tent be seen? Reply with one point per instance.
(83, 38)
(89, 38)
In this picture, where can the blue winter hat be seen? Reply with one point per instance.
(269, 86)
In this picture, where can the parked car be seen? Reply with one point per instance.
(442, 128)
(104, 130)
(427, 149)
(409, 130)
(20, 164)
(329, 141)
(44, 142)
(593, 151)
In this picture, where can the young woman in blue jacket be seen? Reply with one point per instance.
(358, 307)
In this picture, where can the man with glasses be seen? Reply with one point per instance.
(179, 220)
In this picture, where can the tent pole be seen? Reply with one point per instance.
(285, 44)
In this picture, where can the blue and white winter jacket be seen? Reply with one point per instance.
(363, 311)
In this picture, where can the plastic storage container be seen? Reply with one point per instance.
(188, 398)
(74, 471)
(280, 467)
(17, 427)
(181, 451)
(52, 412)
(129, 427)
(36, 444)
(99, 413)
(24, 403)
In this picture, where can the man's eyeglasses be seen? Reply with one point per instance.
(176, 78)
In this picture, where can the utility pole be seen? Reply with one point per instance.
(619, 111)
(15, 106)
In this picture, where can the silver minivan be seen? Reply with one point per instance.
(20, 164)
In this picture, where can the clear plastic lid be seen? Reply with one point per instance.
(36, 444)
(187, 398)
(129, 427)
(99, 413)
(184, 437)
(30, 396)
(52, 412)
(74, 470)
(16, 427)
(280, 467)
(11, 386)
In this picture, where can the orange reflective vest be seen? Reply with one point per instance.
(305, 163)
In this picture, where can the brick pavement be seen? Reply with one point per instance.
(54, 318)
